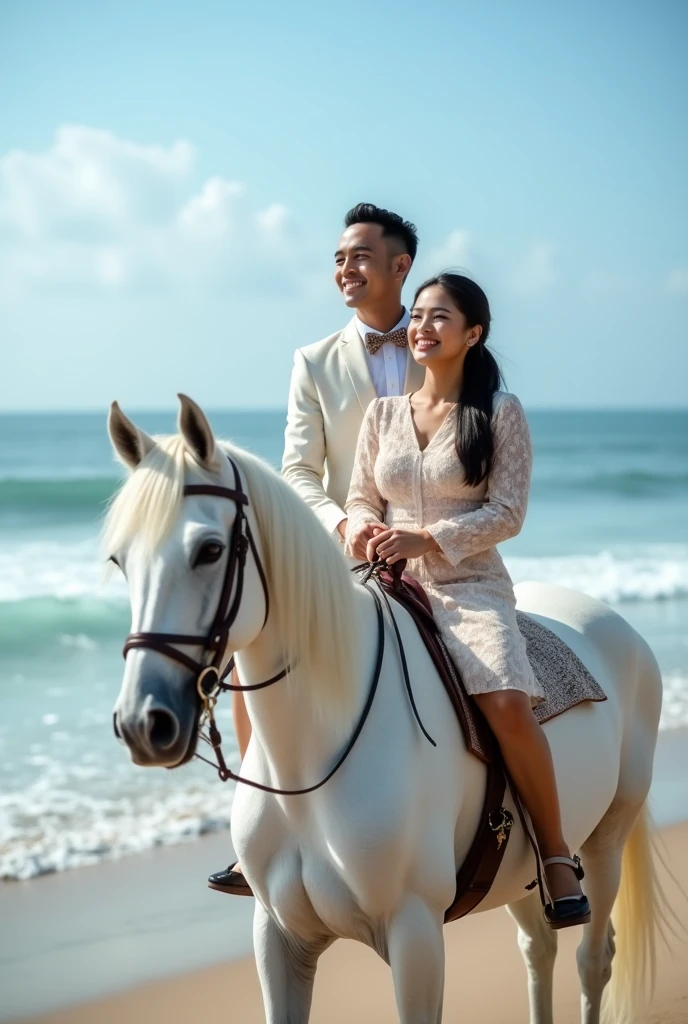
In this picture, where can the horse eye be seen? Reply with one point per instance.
(209, 553)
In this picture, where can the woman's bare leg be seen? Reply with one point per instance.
(528, 758)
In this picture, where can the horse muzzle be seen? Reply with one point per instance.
(155, 732)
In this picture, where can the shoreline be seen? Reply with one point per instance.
(469, 988)
(120, 927)
(95, 931)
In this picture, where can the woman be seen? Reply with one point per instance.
(447, 470)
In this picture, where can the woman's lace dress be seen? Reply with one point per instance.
(470, 590)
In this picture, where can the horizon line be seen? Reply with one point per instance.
(93, 410)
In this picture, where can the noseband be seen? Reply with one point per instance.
(210, 676)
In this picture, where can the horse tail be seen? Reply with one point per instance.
(641, 913)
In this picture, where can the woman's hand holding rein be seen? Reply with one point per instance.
(392, 545)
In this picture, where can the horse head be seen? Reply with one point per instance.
(179, 531)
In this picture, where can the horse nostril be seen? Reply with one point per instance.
(115, 726)
(162, 729)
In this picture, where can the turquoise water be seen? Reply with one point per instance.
(608, 515)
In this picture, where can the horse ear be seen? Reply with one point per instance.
(196, 431)
(130, 443)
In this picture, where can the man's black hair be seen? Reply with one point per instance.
(393, 226)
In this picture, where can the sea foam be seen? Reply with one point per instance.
(650, 574)
(62, 820)
(69, 571)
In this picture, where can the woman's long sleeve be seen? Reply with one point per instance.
(505, 506)
(365, 504)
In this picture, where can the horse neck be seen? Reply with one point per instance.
(294, 738)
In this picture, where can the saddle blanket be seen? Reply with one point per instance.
(562, 675)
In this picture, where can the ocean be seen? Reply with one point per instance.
(608, 515)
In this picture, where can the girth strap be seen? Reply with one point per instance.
(476, 875)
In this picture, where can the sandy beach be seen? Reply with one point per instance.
(354, 985)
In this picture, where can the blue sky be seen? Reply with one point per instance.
(173, 178)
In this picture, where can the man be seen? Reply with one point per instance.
(333, 383)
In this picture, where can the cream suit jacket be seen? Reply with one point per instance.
(330, 390)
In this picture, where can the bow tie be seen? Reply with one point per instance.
(374, 342)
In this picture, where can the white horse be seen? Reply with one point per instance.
(373, 855)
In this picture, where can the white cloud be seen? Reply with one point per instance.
(535, 272)
(99, 212)
(678, 281)
(211, 212)
(531, 273)
(453, 254)
(89, 181)
(274, 218)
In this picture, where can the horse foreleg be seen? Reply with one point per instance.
(286, 969)
(415, 950)
(538, 945)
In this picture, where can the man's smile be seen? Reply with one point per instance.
(350, 286)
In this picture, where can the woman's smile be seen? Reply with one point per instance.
(425, 344)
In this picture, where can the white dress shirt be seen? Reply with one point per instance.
(388, 366)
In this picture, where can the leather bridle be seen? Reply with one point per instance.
(211, 677)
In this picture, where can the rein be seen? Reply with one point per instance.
(214, 738)
(211, 677)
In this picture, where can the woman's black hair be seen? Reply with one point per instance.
(481, 378)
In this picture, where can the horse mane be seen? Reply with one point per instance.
(310, 587)
(148, 504)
